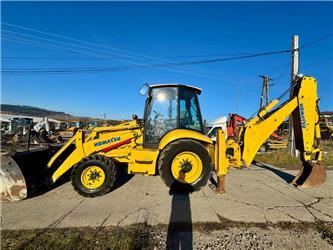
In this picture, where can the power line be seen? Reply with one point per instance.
(72, 39)
(95, 44)
(41, 44)
(84, 47)
(116, 58)
(236, 57)
(316, 41)
(282, 75)
(45, 45)
(56, 41)
(317, 62)
(166, 65)
(62, 58)
(278, 78)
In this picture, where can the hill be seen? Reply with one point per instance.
(33, 111)
(39, 112)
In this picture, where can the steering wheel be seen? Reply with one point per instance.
(185, 121)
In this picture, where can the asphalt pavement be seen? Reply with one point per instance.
(260, 194)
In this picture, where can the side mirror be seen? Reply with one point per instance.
(144, 89)
(134, 117)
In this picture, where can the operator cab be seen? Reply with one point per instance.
(169, 107)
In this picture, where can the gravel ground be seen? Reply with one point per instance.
(198, 236)
(246, 238)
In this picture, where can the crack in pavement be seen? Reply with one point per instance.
(236, 201)
(145, 218)
(138, 229)
(61, 218)
(289, 215)
(263, 172)
(98, 228)
(51, 226)
(214, 210)
(138, 210)
(105, 220)
(306, 206)
(279, 191)
(301, 205)
(126, 216)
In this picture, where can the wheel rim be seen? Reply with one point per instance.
(93, 177)
(186, 167)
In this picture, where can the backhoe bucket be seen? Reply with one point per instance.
(12, 182)
(310, 176)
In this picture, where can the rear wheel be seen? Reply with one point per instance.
(93, 176)
(185, 162)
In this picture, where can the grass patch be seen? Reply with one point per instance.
(282, 159)
(138, 236)
(135, 237)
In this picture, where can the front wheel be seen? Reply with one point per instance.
(186, 162)
(93, 176)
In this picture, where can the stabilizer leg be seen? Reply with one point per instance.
(220, 188)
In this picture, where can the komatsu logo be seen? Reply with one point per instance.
(303, 121)
(113, 139)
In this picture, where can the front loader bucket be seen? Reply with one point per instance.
(12, 182)
(24, 174)
(310, 176)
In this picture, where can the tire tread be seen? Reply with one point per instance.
(104, 160)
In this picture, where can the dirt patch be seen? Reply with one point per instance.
(231, 235)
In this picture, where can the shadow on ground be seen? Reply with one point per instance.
(122, 177)
(33, 165)
(180, 231)
(283, 175)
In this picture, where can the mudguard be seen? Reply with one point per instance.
(183, 134)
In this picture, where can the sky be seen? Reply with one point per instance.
(131, 35)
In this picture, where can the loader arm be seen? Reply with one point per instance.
(101, 140)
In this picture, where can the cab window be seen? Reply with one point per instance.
(189, 113)
(162, 114)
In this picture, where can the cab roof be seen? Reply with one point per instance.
(196, 89)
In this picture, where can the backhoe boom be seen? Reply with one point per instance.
(303, 107)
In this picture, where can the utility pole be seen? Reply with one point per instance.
(294, 72)
(265, 90)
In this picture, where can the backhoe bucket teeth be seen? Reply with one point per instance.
(12, 182)
(310, 176)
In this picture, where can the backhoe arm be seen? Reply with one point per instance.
(303, 106)
(258, 130)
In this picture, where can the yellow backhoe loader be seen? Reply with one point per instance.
(170, 141)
